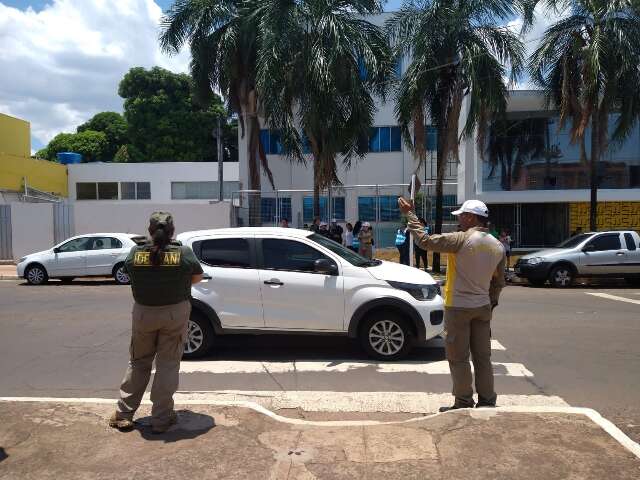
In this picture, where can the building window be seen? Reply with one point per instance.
(135, 190)
(86, 191)
(389, 211)
(201, 190)
(97, 191)
(385, 139)
(269, 213)
(272, 144)
(338, 209)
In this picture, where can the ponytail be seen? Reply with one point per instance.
(161, 237)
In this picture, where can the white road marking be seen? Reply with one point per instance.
(432, 368)
(603, 423)
(613, 297)
(496, 345)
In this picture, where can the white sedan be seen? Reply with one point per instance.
(94, 255)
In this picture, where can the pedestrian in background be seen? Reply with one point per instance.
(161, 273)
(505, 240)
(402, 244)
(335, 231)
(315, 226)
(348, 236)
(356, 241)
(420, 253)
(365, 237)
(475, 278)
(284, 223)
(324, 230)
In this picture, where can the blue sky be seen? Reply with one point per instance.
(67, 57)
(164, 4)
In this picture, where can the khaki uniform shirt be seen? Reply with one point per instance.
(166, 284)
(475, 264)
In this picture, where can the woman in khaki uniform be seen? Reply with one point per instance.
(161, 273)
(366, 240)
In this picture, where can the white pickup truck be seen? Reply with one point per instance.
(595, 254)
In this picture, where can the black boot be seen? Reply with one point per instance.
(452, 407)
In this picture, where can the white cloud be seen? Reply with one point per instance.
(544, 18)
(62, 64)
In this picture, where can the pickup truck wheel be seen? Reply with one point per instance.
(200, 336)
(386, 336)
(561, 276)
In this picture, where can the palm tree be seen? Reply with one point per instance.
(459, 50)
(587, 63)
(320, 64)
(223, 41)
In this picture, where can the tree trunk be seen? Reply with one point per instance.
(593, 180)
(316, 187)
(440, 155)
(255, 202)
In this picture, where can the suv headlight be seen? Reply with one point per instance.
(535, 260)
(419, 292)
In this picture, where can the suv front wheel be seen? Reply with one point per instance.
(561, 276)
(386, 336)
(199, 336)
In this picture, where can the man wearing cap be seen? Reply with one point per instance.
(161, 273)
(475, 277)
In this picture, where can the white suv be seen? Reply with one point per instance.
(94, 255)
(274, 280)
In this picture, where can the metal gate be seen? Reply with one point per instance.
(62, 222)
(6, 250)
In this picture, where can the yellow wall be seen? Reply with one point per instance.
(15, 136)
(16, 163)
(611, 216)
(42, 175)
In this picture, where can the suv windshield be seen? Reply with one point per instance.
(575, 241)
(349, 255)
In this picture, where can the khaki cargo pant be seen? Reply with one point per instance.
(160, 333)
(468, 330)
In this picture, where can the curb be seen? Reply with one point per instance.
(9, 277)
(486, 414)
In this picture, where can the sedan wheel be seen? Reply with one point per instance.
(36, 275)
(121, 276)
(195, 338)
(386, 336)
(561, 277)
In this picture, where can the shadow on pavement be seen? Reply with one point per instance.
(3, 454)
(75, 283)
(306, 347)
(190, 425)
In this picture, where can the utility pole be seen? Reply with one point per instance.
(220, 160)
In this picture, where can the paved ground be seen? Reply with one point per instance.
(55, 440)
(550, 348)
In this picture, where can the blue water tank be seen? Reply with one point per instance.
(68, 158)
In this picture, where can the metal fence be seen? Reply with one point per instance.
(6, 251)
(376, 204)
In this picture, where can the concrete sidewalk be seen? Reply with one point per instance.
(60, 439)
(8, 272)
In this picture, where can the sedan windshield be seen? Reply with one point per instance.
(349, 255)
(575, 241)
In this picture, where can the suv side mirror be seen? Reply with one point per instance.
(589, 248)
(324, 266)
(56, 250)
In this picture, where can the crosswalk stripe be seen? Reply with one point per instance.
(341, 366)
(613, 297)
(329, 401)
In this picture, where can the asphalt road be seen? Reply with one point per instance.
(72, 341)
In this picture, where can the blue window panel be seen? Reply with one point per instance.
(306, 145)
(389, 211)
(338, 209)
(431, 138)
(264, 139)
(385, 139)
(396, 139)
(274, 142)
(269, 213)
(367, 209)
(397, 68)
(374, 140)
(362, 69)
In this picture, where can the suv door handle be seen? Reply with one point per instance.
(619, 254)
(273, 281)
(206, 276)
